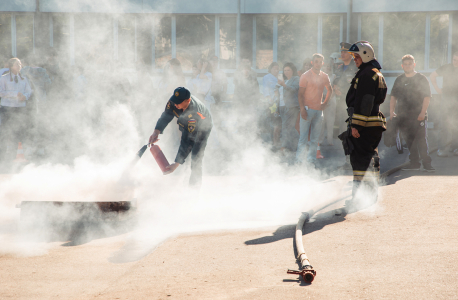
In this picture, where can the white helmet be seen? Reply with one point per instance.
(363, 49)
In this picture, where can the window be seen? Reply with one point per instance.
(144, 40)
(24, 35)
(195, 39)
(370, 30)
(61, 37)
(5, 36)
(163, 44)
(227, 42)
(331, 37)
(297, 38)
(93, 39)
(438, 51)
(126, 40)
(404, 33)
(264, 41)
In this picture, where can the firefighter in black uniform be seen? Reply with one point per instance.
(344, 75)
(195, 124)
(367, 123)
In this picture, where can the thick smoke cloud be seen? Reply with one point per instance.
(100, 113)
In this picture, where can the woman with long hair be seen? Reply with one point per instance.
(289, 88)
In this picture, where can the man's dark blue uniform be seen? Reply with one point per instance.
(195, 124)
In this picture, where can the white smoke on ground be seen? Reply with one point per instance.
(94, 133)
(255, 191)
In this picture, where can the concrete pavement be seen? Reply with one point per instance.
(404, 247)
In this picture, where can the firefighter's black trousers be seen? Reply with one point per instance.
(364, 158)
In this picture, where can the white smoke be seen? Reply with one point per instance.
(94, 136)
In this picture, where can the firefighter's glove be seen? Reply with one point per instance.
(346, 143)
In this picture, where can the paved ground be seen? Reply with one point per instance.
(404, 247)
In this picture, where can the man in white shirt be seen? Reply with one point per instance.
(15, 91)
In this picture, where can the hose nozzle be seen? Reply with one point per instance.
(308, 274)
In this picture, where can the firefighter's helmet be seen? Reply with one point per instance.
(363, 49)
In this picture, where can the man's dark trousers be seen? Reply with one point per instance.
(415, 134)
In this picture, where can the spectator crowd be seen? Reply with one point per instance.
(292, 111)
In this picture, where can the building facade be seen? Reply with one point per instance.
(151, 32)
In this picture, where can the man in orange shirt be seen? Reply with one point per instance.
(311, 87)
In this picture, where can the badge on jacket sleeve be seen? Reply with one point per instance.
(168, 105)
(191, 125)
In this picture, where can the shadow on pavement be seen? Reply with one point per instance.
(444, 167)
(319, 221)
(83, 233)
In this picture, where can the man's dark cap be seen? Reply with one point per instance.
(180, 94)
(344, 46)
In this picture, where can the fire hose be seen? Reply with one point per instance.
(307, 272)
(306, 269)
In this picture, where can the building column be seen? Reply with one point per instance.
(359, 27)
(349, 13)
(72, 39)
(253, 62)
(174, 37)
(427, 40)
(135, 40)
(115, 38)
(319, 44)
(13, 35)
(380, 40)
(217, 37)
(275, 38)
(153, 45)
(51, 31)
(450, 37)
(237, 35)
(341, 29)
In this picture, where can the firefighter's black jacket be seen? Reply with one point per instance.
(368, 82)
(194, 122)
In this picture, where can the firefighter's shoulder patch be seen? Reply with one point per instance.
(192, 125)
(168, 105)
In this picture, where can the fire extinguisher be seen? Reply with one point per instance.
(160, 158)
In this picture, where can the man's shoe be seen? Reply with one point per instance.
(441, 153)
(412, 167)
(429, 168)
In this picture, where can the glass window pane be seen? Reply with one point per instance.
(144, 40)
(5, 36)
(126, 40)
(195, 39)
(331, 36)
(404, 33)
(24, 35)
(61, 37)
(370, 30)
(227, 42)
(264, 41)
(93, 38)
(438, 54)
(163, 41)
(291, 48)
